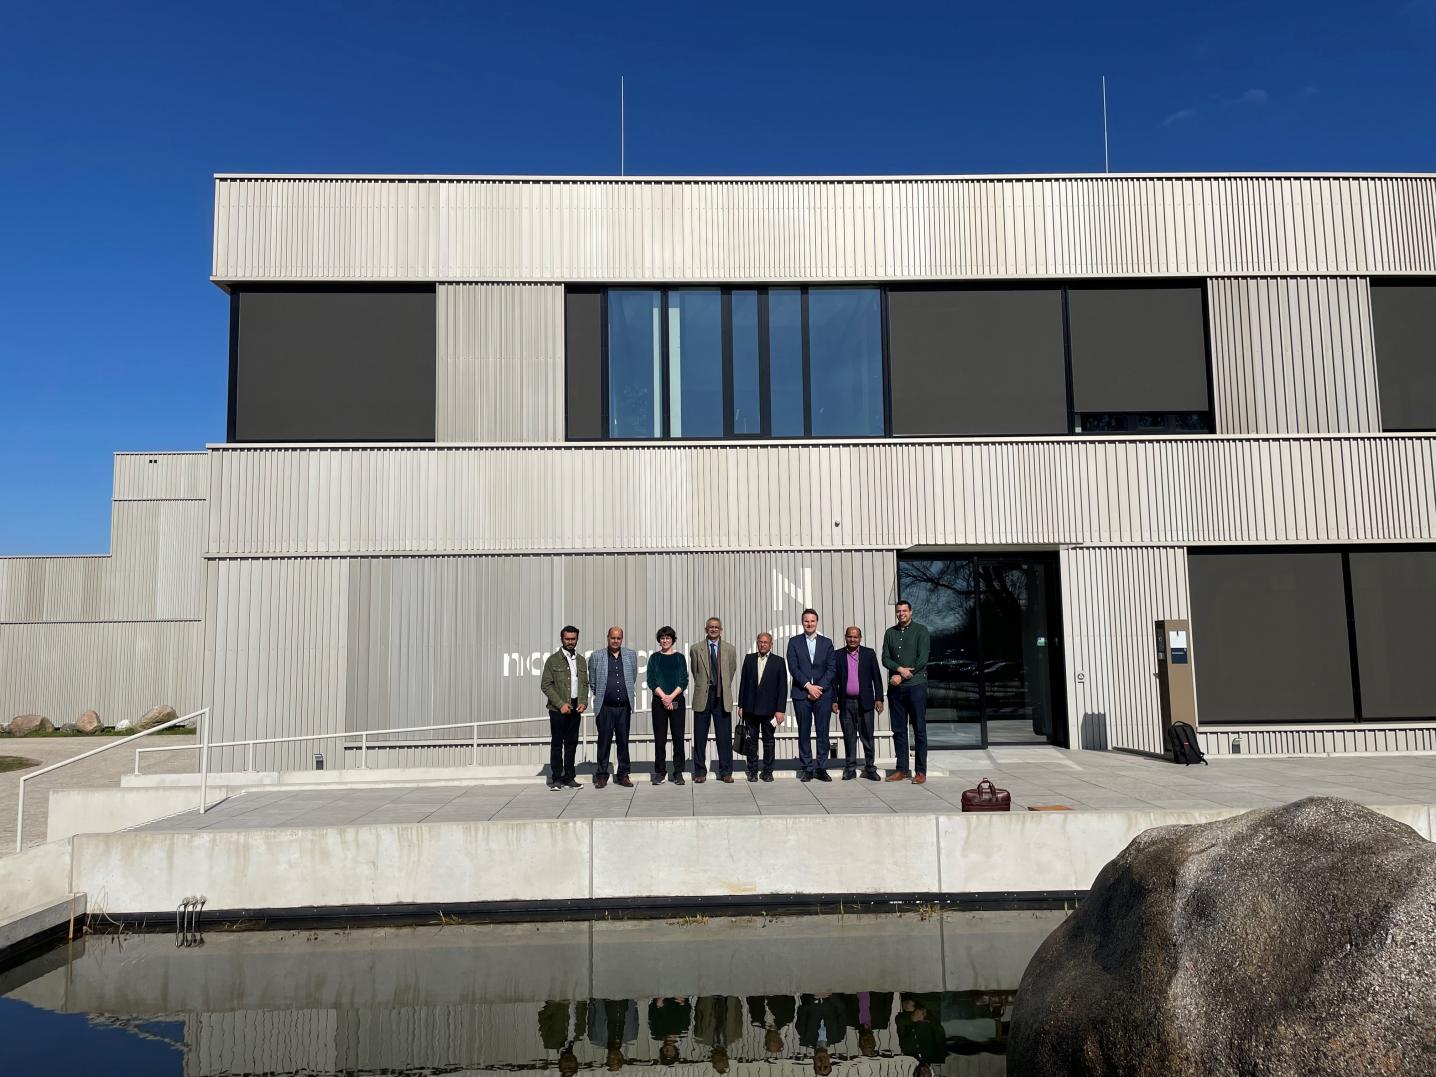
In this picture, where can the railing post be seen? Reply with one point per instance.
(363, 751)
(20, 819)
(249, 759)
(476, 744)
(204, 761)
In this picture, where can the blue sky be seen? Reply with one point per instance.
(116, 116)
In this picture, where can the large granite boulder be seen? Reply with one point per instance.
(22, 725)
(156, 716)
(1296, 941)
(89, 722)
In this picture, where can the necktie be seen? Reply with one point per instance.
(713, 661)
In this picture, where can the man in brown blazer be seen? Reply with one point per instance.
(712, 663)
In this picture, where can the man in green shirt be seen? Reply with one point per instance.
(905, 650)
(565, 689)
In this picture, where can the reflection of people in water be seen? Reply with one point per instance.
(773, 1013)
(612, 1023)
(717, 1022)
(822, 1060)
(560, 1024)
(919, 1028)
(822, 1020)
(567, 1064)
(869, 1011)
(668, 1019)
(922, 1069)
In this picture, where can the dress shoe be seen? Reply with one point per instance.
(623, 780)
(919, 779)
(752, 775)
(677, 777)
(897, 776)
(727, 779)
(804, 776)
(822, 774)
(849, 774)
(570, 783)
(553, 784)
(699, 779)
(767, 775)
(656, 779)
(600, 781)
(872, 775)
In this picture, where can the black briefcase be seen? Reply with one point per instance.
(744, 737)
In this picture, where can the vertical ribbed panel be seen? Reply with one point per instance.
(1318, 740)
(1293, 356)
(564, 230)
(1111, 599)
(310, 646)
(175, 476)
(120, 669)
(1056, 491)
(500, 363)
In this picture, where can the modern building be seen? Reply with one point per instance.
(1049, 410)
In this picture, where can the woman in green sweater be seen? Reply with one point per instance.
(668, 678)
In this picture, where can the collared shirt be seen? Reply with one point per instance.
(615, 692)
(865, 1008)
(714, 677)
(572, 661)
(813, 647)
(852, 686)
(762, 665)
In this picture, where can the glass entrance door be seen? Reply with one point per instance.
(995, 671)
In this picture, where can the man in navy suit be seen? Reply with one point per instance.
(811, 663)
(857, 693)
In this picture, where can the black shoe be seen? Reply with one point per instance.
(804, 776)
(872, 775)
(553, 783)
(822, 774)
(849, 774)
(767, 775)
(656, 779)
(571, 783)
(677, 777)
(752, 775)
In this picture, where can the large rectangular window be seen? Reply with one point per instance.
(755, 362)
(1404, 320)
(1392, 594)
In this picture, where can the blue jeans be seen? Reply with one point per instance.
(814, 716)
(909, 701)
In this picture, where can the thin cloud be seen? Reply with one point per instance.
(1251, 97)
(1178, 116)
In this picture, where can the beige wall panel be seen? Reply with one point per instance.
(120, 669)
(1110, 599)
(1139, 491)
(1293, 356)
(419, 641)
(500, 363)
(1346, 740)
(565, 230)
(175, 476)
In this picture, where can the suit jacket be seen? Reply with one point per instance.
(769, 697)
(598, 674)
(880, 1009)
(670, 1019)
(718, 1020)
(553, 1023)
(830, 1012)
(699, 668)
(554, 682)
(870, 677)
(780, 1007)
(817, 670)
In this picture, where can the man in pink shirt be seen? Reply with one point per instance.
(858, 693)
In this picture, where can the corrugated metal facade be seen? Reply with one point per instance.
(559, 231)
(118, 633)
(1054, 491)
(500, 363)
(1110, 599)
(322, 644)
(1293, 356)
(1317, 740)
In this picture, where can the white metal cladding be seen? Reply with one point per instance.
(500, 363)
(154, 572)
(1111, 598)
(564, 230)
(886, 494)
(172, 476)
(307, 646)
(120, 669)
(1318, 740)
(1293, 356)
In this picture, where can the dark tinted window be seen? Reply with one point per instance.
(1392, 595)
(845, 356)
(747, 372)
(785, 359)
(1138, 350)
(1404, 319)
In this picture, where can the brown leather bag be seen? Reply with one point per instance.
(986, 797)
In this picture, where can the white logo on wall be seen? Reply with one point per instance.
(801, 596)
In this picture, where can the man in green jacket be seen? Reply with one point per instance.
(565, 688)
(905, 650)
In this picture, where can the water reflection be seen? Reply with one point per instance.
(860, 996)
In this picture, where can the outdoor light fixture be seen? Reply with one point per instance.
(318, 760)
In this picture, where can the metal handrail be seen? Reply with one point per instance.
(204, 735)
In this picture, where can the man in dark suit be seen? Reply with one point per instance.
(811, 664)
(762, 700)
(857, 693)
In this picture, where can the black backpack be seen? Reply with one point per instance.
(1184, 745)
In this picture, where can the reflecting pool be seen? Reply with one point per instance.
(871, 995)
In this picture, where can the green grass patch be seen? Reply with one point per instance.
(178, 731)
(15, 762)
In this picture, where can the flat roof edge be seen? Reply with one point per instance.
(897, 178)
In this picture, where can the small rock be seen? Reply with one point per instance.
(22, 725)
(89, 722)
(68, 727)
(124, 726)
(156, 716)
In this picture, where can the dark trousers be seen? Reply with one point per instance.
(909, 701)
(562, 743)
(764, 728)
(814, 716)
(722, 723)
(858, 723)
(613, 725)
(668, 723)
